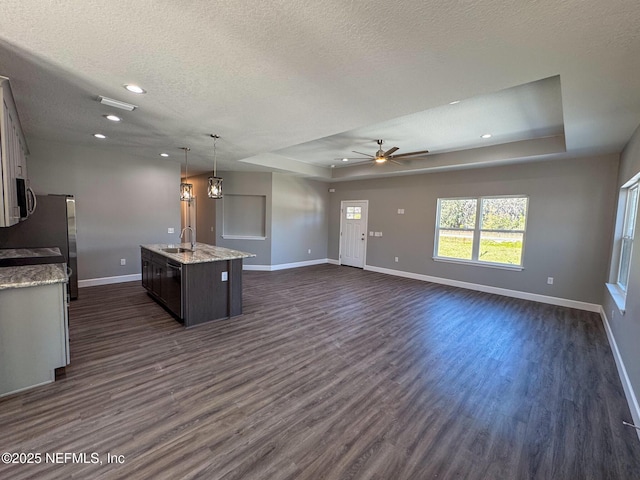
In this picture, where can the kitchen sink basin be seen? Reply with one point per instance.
(176, 250)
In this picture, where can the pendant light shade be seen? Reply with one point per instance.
(214, 187)
(186, 188)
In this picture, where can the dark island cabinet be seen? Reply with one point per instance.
(194, 293)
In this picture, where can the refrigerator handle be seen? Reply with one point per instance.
(32, 202)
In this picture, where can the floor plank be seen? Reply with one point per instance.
(330, 373)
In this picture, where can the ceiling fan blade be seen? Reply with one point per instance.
(393, 161)
(365, 154)
(411, 154)
(390, 151)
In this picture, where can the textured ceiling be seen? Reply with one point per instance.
(293, 85)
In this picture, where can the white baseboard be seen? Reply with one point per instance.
(24, 389)
(92, 282)
(563, 302)
(632, 400)
(284, 266)
(332, 261)
(257, 268)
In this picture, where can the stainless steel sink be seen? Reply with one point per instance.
(176, 250)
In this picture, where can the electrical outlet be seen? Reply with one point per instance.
(225, 276)
(123, 261)
(170, 230)
(396, 259)
(549, 280)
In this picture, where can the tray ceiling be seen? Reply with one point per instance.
(293, 86)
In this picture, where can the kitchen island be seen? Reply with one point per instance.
(197, 285)
(34, 331)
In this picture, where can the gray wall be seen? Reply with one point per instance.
(299, 219)
(571, 204)
(296, 217)
(626, 328)
(246, 183)
(122, 202)
(205, 210)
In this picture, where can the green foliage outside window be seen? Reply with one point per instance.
(500, 227)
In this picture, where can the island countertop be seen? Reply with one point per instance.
(31, 275)
(203, 253)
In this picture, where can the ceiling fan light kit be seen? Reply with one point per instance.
(383, 157)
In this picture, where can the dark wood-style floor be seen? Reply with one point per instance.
(331, 373)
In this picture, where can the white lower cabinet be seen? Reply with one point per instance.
(34, 336)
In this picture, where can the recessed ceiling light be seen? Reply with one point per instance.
(333, 166)
(486, 135)
(454, 102)
(113, 118)
(99, 135)
(345, 159)
(164, 154)
(135, 89)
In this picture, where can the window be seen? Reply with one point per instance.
(628, 230)
(485, 230)
(354, 213)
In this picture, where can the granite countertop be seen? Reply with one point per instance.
(29, 252)
(31, 275)
(202, 254)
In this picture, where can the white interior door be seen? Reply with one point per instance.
(353, 233)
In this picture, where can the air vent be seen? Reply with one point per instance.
(116, 103)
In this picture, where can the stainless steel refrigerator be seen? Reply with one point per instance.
(53, 224)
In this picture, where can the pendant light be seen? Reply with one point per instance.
(214, 188)
(186, 188)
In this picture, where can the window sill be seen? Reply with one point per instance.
(618, 296)
(499, 266)
(242, 237)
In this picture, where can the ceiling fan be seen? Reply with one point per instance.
(382, 157)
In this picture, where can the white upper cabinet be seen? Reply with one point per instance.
(13, 157)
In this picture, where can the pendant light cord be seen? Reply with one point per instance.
(186, 166)
(215, 140)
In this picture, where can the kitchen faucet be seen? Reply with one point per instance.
(192, 237)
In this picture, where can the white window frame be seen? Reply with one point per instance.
(628, 233)
(628, 211)
(477, 231)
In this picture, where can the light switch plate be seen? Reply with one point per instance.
(170, 230)
(401, 211)
(225, 276)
